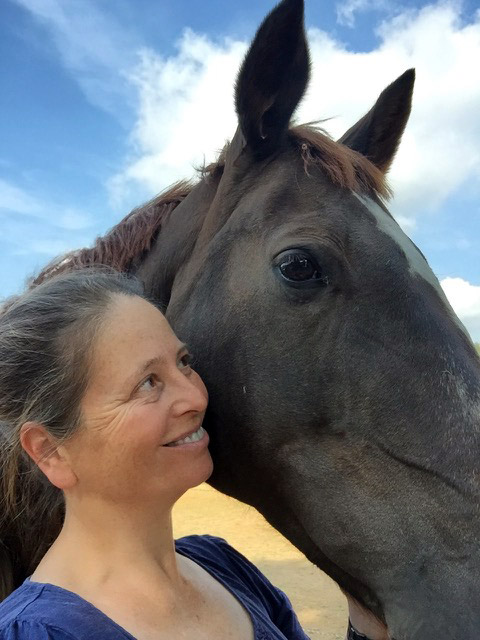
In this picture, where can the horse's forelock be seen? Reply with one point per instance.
(346, 168)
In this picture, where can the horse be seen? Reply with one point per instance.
(344, 391)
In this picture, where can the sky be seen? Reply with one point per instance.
(105, 103)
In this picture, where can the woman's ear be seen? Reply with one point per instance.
(47, 455)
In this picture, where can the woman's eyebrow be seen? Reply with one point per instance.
(156, 360)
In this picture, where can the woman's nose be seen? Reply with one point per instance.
(190, 394)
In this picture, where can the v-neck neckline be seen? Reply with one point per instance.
(258, 630)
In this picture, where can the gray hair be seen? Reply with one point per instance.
(47, 337)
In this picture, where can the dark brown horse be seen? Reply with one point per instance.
(345, 393)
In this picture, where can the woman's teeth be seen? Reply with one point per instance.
(193, 437)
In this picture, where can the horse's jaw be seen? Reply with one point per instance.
(411, 583)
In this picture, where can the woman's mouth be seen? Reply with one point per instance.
(197, 435)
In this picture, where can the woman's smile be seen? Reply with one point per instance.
(197, 439)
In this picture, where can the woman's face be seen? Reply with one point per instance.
(143, 399)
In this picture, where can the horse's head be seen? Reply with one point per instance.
(345, 399)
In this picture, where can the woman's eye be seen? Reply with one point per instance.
(149, 383)
(186, 362)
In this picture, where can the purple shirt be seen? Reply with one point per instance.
(37, 611)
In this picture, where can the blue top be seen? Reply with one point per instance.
(38, 611)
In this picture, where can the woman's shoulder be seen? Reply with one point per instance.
(228, 565)
(267, 604)
(22, 616)
(203, 543)
(213, 551)
(19, 629)
(38, 611)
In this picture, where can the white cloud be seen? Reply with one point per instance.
(15, 200)
(47, 247)
(185, 111)
(346, 10)
(91, 44)
(440, 150)
(73, 220)
(465, 300)
(33, 231)
(185, 104)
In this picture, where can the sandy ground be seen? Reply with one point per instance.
(317, 600)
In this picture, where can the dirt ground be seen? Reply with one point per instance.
(316, 599)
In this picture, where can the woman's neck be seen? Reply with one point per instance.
(102, 544)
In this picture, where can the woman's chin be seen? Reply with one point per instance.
(198, 473)
(207, 470)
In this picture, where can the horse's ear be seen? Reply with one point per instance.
(273, 77)
(377, 135)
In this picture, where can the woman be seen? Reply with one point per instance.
(102, 432)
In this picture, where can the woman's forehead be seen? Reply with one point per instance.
(131, 312)
(132, 328)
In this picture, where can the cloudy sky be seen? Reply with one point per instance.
(104, 103)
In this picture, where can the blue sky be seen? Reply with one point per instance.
(105, 103)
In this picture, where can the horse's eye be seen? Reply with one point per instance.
(299, 267)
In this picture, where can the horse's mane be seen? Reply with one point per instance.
(127, 241)
(124, 245)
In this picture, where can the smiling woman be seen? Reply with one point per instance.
(154, 407)
(102, 418)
